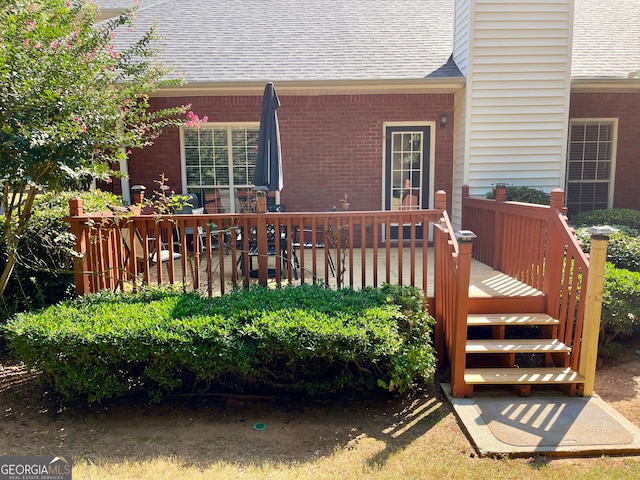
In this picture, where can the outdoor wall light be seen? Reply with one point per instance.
(444, 119)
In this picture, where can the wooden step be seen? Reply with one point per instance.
(508, 305)
(518, 345)
(515, 319)
(521, 376)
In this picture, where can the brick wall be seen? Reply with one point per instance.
(331, 145)
(625, 107)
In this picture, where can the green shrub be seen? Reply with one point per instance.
(43, 276)
(620, 305)
(625, 217)
(524, 194)
(623, 248)
(305, 339)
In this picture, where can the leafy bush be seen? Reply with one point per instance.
(620, 305)
(623, 249)
(524, 194)
(304, 339)
(43, 275)
(625, 217)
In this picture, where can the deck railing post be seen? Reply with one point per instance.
(263, 261)
(80, 262)
(137, 194)
(465, 240)
(440, 200)
(554, 261)
(498, 243)
(593, 307)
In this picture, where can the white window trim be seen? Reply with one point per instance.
(212, 125)
(614, 152)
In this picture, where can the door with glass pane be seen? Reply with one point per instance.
(219, 162)
(406, 171)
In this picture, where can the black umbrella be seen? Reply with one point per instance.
(268, 174)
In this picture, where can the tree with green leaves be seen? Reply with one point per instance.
(72, 105)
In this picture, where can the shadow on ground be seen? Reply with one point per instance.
(206, 430)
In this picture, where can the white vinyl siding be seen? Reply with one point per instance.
(461, 39)
(459, 154)
(517, 97)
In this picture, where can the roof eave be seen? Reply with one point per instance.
(605, 84)
(317, 87)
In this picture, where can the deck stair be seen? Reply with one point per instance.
(518, 349)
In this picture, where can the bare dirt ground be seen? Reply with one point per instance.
(205, 429)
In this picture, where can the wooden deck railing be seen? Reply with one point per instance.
(123, 248)
(452, 278)
(534, 244)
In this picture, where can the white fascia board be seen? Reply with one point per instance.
(315, 88)
(580, 85)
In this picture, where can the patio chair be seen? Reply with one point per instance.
(318, 244)
(282, 256)
(161, 254)
(219, 237)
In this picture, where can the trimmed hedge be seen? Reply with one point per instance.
(304, 339)
(623, 248)
(620, 306)
(621, 297)
(618, 216)
(523, 194)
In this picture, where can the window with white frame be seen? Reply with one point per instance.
(590, 165)
(218, 166)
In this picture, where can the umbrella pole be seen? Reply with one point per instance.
(263, 261)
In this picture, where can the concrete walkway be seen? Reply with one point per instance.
(548, 423)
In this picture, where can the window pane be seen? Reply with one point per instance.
(222, 175)
(577, 133)
(397, 142)
(206, 138)
(240, 176)
(590, 151)
(589, 166)
(238, 155)
(575, 171)
(606, 132)
(206, 156)
(208, 177)
(603, 170)
(604, 152)
(210, 152)
(190, 138)
(589, 171)
(191, 157)
(193, 176)
(220, 137)
(592, 132)
(221, 155)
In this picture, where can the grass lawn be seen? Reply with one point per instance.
(212, 437)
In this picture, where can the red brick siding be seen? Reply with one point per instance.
(331, 145)
(625, 107)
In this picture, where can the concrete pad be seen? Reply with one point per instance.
(549, 423)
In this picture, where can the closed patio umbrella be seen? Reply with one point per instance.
(268, 173)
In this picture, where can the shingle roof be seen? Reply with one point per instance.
(290, 40)
(294, 40)
(606, 39)
(114, 4)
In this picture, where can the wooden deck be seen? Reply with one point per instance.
(485, 282)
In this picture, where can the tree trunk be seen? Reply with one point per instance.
(12, 235)
(8, 270)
